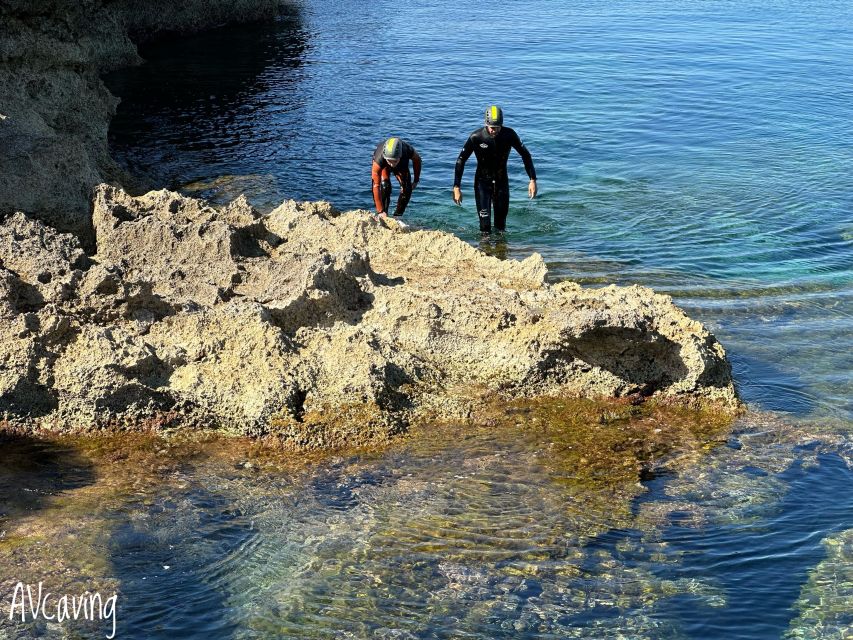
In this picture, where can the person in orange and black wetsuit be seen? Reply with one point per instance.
(491, 144)
(392, 156)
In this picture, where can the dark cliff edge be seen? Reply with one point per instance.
(54, 108)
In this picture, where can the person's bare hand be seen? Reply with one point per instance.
(531, 189)
(457, 195)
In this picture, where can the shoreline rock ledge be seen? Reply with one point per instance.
(319, 327)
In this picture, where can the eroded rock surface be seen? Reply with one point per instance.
(320, 327)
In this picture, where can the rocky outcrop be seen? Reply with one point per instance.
(319, 327)
(54, 108)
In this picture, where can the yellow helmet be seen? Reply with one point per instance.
(393, 149)
(494, 116)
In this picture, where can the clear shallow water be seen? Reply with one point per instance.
(701, 148)
(489, 532)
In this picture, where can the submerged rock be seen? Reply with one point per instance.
(322, 328)
(825, 599)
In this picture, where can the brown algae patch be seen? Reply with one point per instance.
(595, 453)
(608, 442)
(471, 512)
(343, 427)
(473, 515)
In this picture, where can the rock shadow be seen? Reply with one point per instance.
(319, 312)
(390, 398)
(382, 280)
(335, 294)
(134, 398)
(33, 470)
(176, 560)
(28, 398)
(646, 360)
(25, 296)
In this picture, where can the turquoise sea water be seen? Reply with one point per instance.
(703, 148)
(700, 148)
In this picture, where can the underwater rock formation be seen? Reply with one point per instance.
(319, 327)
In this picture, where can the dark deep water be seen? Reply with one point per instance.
(700, 148)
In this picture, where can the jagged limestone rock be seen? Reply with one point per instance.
(319, 327)
(178, 244)
(52, 263)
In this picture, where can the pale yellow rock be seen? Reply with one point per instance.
(321, 327)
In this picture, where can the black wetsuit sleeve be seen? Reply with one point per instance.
(518, 145)
(416, 164)
(466, 152)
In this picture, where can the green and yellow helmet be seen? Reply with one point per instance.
(494, 116)
(393, 149)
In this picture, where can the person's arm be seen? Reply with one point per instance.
(467, 150)
(416, 165)
(376, 177)
(518, 145)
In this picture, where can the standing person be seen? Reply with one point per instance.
(491, 145)
(392, 156)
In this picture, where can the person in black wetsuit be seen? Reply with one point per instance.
(392, 156)
(491, 145)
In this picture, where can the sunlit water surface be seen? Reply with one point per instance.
(700, 148)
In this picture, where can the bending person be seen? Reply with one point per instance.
(491, 145)
(392, 156)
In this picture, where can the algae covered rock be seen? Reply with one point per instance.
(319, 327)
(824, 602)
